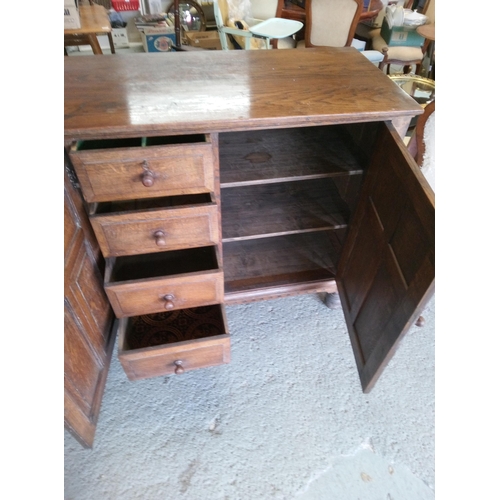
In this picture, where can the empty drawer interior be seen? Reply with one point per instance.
(133, 267)
(115, 207)
(137, 142)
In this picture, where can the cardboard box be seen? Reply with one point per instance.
(71, 15)
(120, 37)
(158, 39)
(209, 40)
(401, 36)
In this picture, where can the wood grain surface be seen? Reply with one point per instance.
(211, 91)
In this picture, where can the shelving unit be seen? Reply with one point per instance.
(286, 198)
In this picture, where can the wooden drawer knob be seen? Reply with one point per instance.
(179, 369)
(147, 177)
(160, 238)
(169, 301)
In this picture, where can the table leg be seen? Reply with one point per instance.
(111, 44)
(94, 43)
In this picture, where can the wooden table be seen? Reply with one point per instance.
(94, 21)
(256, 174)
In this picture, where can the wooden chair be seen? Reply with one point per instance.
(247, 31)
(331, 23)
(250, 32)
(421, 147)
(404, 56)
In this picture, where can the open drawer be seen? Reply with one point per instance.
(143, 167)
(166, 281)
(173, 342)
(155, 224)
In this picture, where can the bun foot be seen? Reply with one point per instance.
(332, 300)
(420, 321)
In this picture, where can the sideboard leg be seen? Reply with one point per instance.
(420, 321)
(332, 300)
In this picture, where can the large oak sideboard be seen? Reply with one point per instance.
(209, 178)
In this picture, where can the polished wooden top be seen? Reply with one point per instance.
(94, 19)
(427, 31)
(213, 91)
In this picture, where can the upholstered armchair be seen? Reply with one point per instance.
(331, 23)
(401, 55)
(235, 25)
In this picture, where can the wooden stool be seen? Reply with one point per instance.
(94, 21)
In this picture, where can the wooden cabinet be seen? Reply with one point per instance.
(248, 175)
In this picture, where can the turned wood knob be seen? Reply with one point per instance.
(160, 238)
(178, 367)
(169, 301)
(147, 177)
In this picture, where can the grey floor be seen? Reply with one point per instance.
(286, 419)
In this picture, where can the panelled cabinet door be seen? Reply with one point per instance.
(386, 270)
(88, 336)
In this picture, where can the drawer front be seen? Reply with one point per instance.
(173, 343)
(137, 297)
(129, 173)
(177, 359)
(156, 231)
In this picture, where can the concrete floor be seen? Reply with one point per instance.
(286, 419)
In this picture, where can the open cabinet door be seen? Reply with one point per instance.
(88, 319)
(386, 270)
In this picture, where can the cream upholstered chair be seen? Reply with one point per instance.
(235, 25)
(331, 23)
(404, 56)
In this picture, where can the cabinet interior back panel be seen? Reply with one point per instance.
(281, 261)
(253, 157)
(282, 208)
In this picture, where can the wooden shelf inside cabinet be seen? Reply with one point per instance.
(267, 267)
(284, 208)
(263, 156)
